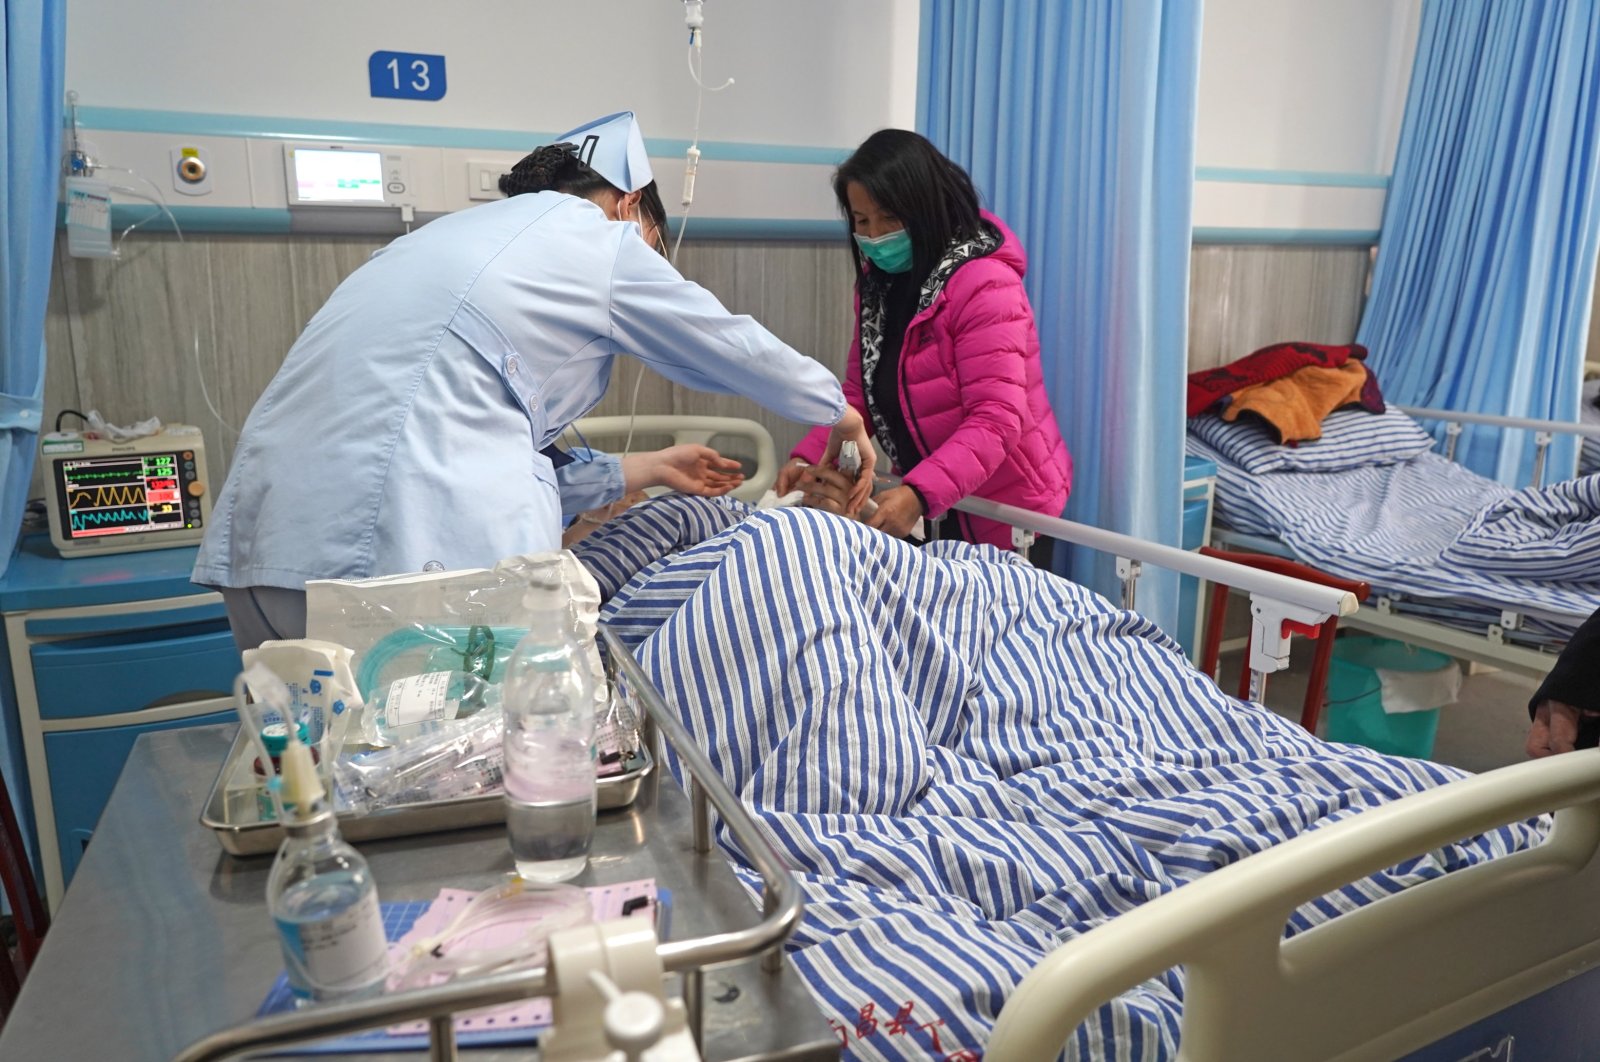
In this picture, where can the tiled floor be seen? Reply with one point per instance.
(1483, 730)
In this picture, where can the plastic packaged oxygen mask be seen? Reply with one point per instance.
(445, 673)
(431, 648)
(431, 651)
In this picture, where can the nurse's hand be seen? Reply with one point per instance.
(852, 428)
(689, 469)
(899, 509)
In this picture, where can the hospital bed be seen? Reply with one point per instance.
(1376, 983)
(1226, 925)
(1520, 632)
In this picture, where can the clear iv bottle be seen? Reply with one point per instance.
(321, 895)
(548, 706)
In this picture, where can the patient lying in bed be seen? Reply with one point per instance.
(967, 761)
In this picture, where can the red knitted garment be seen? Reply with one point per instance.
(1274, 363)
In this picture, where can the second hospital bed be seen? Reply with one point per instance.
(1396, 525)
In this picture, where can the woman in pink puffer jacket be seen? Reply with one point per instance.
(944, 367)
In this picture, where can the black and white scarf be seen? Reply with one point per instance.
(874, 308)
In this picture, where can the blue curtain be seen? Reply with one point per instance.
(30, 164)
(1481, 293)
(1076, 121)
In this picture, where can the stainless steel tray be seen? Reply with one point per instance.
(231, 814)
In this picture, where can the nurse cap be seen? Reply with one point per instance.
(614, 148)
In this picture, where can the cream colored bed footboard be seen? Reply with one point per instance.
(1373, 984)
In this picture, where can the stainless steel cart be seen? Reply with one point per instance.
(163, 947)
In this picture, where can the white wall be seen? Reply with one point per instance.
(1310, 86)
(815, 73)
(1287, 87)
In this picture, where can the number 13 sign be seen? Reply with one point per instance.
(406, 75)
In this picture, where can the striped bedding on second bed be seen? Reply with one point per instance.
(968, 761)
(1545, 533)
(1391, 525)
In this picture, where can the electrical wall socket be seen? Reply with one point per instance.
(483, 179)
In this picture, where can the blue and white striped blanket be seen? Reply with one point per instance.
(1391, 525)
(968, 761)
(1537, 533)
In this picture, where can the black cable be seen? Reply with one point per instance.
(74, 412)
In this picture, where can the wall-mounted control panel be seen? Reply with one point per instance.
(346, 175)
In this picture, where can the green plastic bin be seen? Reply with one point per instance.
(1355, 696)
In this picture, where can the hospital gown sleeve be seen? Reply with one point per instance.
(680, 329)
(1575, 679)
(815, 444)
(591, 479)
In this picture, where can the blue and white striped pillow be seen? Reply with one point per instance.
(1351, 438)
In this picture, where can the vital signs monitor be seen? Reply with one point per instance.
(116, 497)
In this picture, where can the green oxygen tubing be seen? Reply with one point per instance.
(477, 651)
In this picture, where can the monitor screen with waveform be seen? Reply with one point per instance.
(125, 495)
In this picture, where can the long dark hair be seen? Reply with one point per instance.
(911, 179)
(557, 168)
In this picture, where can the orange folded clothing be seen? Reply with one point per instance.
(1294, 406)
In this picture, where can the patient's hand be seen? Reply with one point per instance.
(585, 524)
(827, 489)
(1554, 729)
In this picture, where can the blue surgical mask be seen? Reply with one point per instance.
(890, 252)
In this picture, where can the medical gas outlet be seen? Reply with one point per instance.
(191, 170)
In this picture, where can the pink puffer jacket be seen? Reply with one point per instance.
(974, 398)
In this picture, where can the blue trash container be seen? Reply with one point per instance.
(1355, 710)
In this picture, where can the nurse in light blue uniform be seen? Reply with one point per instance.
(408, 423)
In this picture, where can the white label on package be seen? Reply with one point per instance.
(347, 948)
(419, 699)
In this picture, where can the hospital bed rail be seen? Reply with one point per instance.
(1374, 983)
(781, 911)
(1544, 431)
(1280, 606)
(686, 429)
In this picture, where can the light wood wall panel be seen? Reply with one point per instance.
(122, 336)
(138, 336)
(1243, 297)
(1591, 355)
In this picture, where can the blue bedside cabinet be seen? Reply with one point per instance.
(99, 650)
